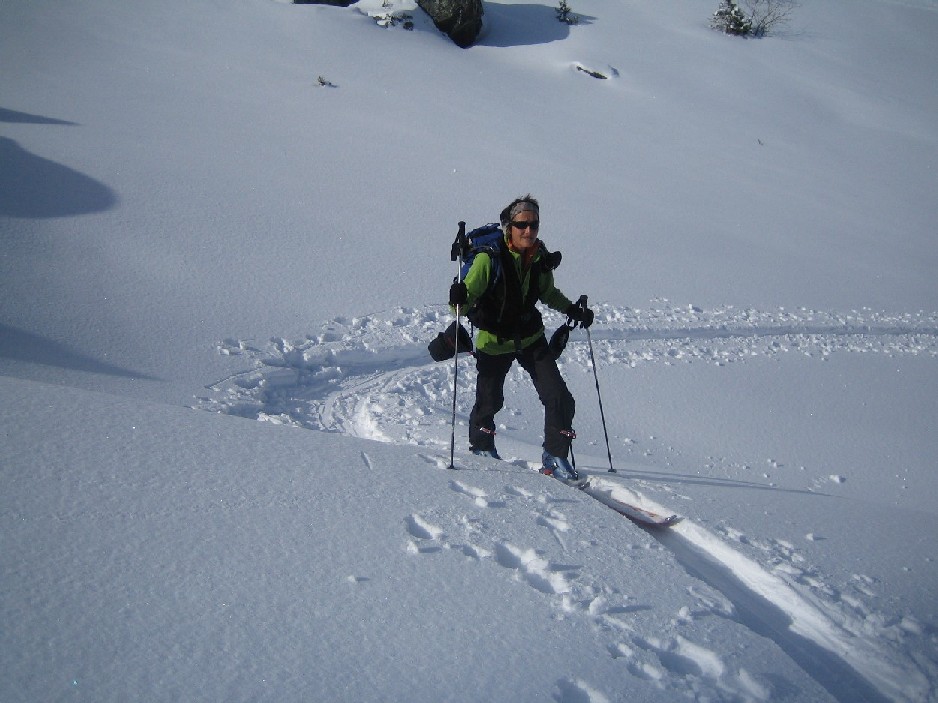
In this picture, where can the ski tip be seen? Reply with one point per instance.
(668, 521)
(652, 520)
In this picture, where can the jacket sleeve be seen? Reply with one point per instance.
(550, 295)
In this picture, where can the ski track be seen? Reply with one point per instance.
(371, 377)
(828, 645)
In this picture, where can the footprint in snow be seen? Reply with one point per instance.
(554, 521)
(536, 571)
(477, 495)
(578, 691)
(681, 657)
(421, 529)
(519, 492)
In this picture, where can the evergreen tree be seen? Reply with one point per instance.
(730, 19)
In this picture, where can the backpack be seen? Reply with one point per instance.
(482, 239)
(487, 238)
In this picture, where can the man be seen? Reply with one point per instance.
(511, 329)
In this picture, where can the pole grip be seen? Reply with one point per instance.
(459, 244)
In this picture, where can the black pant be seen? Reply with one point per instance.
(558, 403)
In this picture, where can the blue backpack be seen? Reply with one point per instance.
(486, 239)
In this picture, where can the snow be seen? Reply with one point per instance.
(224, 445)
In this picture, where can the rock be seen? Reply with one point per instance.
(460, 20)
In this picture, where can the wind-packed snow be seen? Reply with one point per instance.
(223, 444)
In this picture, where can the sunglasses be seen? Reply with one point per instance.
(524, 225)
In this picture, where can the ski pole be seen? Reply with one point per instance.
(582, 302)
(456, 255)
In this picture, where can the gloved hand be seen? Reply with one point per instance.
(581, 314)
(458, 294)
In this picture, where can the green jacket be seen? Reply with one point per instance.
(477, 283)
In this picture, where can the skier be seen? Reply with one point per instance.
(511, 329)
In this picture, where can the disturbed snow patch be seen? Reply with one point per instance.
(371, 376)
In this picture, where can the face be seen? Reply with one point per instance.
(523, 239)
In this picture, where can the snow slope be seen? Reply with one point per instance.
(189, 220)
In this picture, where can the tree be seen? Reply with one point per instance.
(767, 15)
(729, 18)
(760, 17)
(565, 13)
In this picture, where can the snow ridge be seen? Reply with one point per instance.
(828, 643)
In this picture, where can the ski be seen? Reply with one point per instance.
(641, 516)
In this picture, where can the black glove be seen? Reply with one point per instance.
(458, 293)
(581, 314)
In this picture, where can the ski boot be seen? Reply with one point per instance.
(490, 453)
(559, 468)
